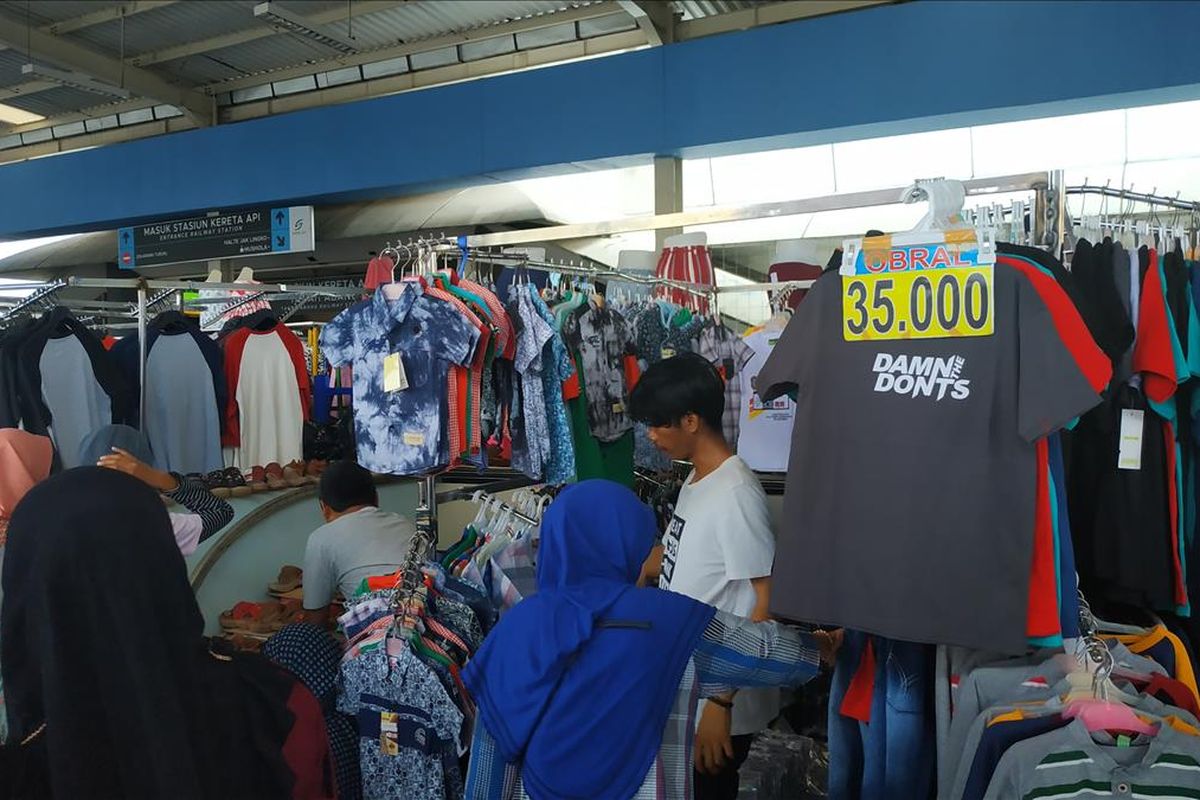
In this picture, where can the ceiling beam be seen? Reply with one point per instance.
(656, 19)
(262, 31)
(104, 15)
(592, 11)
(66, 53)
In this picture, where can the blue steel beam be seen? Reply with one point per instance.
(890, 69)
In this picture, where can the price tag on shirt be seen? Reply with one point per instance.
(930, 290)
(394, 377)
(1129, 447)
(389, 733)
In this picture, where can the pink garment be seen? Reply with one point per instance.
(25, 460)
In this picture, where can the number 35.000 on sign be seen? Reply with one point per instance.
(934, 304)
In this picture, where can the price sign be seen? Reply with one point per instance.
(897, 290)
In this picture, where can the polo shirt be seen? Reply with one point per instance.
(998, 729)
(911, 513)
(400, 432)
(1071, 762)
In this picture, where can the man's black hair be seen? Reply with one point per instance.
(345, 484)
(678, 386)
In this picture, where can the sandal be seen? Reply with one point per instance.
(315, 468)
(289, 578)
(293, 473)
(258, 480)
(274, 477)
(240, 618)
(236, 483)
(218, 485)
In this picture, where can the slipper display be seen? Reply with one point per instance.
(289, 579)
(237, 483)
(273, 474)
(293, 473)
(258, 480)
(241, 617)
(216, 483)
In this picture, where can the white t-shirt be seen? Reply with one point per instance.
(764, 429)
(718, 541)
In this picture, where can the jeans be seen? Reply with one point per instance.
(891, 755)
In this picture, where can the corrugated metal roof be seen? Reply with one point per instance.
(270, 53)
(57, 101)
(406, 23)
(192, 21)
(44, 12)
(696, 9)
(168, 26)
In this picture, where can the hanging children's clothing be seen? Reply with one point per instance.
(185, 390)
(270, 396)
(67, 384)
(764, 426)
(402, 351)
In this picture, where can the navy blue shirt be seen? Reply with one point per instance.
(996, 740)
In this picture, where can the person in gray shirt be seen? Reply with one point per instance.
(357, 540)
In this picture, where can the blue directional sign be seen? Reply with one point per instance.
(236, 233)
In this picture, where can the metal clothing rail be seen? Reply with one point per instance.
(1133, 198)
(1037, 182)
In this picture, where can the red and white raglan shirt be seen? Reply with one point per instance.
(270, 396)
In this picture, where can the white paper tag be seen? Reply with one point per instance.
(394, 378)
(1129, 450)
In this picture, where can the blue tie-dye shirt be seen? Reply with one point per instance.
(400, 432)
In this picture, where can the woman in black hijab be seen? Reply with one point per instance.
(112, 689)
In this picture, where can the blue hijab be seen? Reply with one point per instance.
(576, 682)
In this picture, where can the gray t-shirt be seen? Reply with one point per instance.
(910, 503)
(78, 404)
(182, 420)
(343, 552)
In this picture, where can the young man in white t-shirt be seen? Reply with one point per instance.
(718, 548)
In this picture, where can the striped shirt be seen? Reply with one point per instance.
(1071, 763)
(732, 653)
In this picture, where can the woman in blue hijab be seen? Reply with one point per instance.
(589, 688)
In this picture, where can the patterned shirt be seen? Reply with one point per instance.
(657, 339)
(601, 337)
(733, 652)
(400, 432)
(533, 458)
(561, 468)
(408, 726)
(728, 353)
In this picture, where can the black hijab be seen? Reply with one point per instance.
(107, 673)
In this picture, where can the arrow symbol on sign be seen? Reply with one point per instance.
(279, 242)
(125, 237)
(279, 217)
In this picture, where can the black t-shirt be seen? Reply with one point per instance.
(909, 511)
